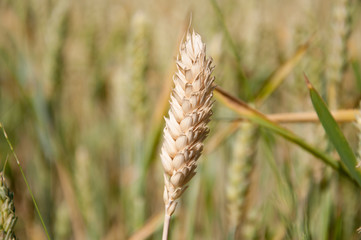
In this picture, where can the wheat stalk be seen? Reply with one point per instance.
(186, 128)
(7, 211)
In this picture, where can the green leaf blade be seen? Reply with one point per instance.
(334, 133)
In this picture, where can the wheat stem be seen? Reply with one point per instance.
(166, 225)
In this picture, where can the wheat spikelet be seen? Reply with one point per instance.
(190, 111)
(7, 211)
(239, 173)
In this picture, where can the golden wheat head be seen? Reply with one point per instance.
(190, 111)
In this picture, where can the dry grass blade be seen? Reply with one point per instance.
(280, 74)
(348, 115)
(241, 107)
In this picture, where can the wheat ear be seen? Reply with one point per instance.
(239, 176)
(186, 128)
(7, 211)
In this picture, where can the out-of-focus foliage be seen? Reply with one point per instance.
(84, 85)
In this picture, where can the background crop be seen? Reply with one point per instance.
(84, 86)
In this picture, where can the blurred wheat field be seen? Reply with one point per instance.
(84, 87)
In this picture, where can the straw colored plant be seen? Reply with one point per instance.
(186, 127)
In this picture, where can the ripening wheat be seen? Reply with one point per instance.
(186, 127)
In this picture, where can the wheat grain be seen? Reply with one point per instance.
(7, 211)
(186, 128)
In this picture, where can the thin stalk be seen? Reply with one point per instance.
(341, 116)
(347, 115)
(26, 181)
(166, 225)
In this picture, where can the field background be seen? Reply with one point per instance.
(84, 86)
